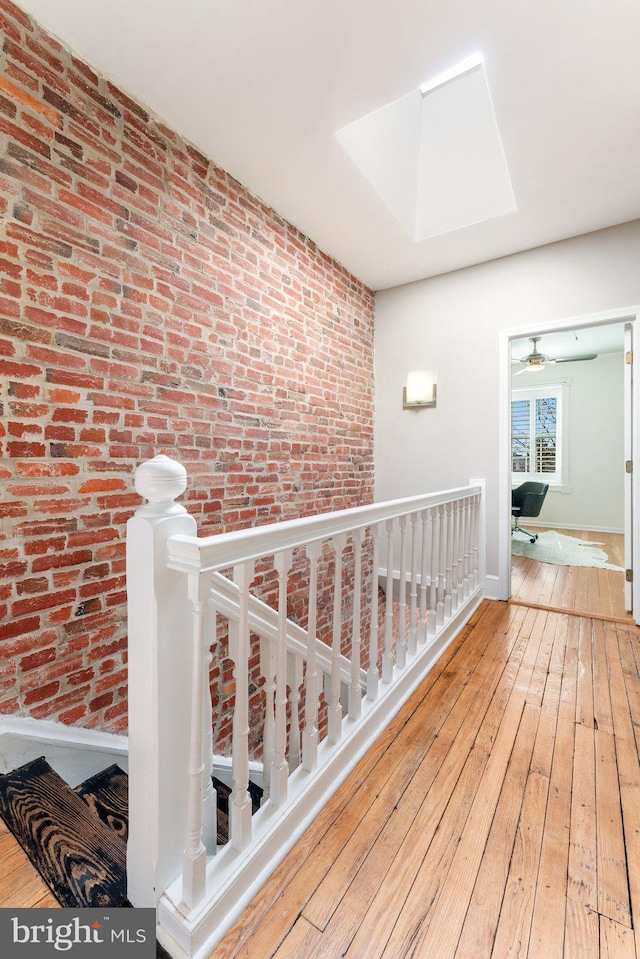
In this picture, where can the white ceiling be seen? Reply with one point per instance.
(591, 339)
(262, 86)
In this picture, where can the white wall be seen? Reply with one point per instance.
(594, 443)
(452, 324)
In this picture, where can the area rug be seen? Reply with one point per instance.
(562, 550)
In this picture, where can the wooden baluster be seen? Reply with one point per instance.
(334, 711)
(209, 796)
(294, 679)
(412, 645)
(460, 552)
(425, 556)
(448, 560)
(401, 647)
(310, 733)
(355, 689)
(280, 769)
(434, 513)
(466, 517)
(194, 861)
(471, 536)
(461, 535)
(240, 800)
(452, 558)
(457, 554)
(372, 674)
(268, 670)
(387, 657)
(442, 565)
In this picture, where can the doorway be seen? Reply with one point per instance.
(568, 504)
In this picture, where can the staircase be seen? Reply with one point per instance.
(76, 838)
(67, 834)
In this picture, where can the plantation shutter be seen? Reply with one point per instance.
(546, 433)
(520, 436)
(536, 434)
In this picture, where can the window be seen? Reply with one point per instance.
(537, 434)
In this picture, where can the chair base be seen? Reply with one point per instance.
(527, 532)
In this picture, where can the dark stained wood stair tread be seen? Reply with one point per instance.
(79, 857)
(107, 795)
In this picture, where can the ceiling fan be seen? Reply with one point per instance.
(537, 361)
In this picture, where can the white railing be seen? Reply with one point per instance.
(183, 591)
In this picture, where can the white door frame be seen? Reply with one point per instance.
(629, 315)
(629, 532)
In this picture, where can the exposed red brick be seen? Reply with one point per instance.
(42, 545)
(46, 601)
(74, 716)
(17, 627)
(75, 558)
(82, 676)
(60, 614)
(148, 303)
(28, 586)
(13, 569)
(26, 449)
(41, 692)
(47, 469)
(102, 485)
(9, 706)
(24, 429)
(37, 659)
(64, 396)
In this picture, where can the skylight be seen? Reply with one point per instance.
(435, 156)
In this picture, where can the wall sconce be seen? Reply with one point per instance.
(420, 390)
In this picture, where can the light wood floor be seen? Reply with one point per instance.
(595, 592)
(499, 815)
(20, 884)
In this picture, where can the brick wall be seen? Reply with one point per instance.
(148, 303)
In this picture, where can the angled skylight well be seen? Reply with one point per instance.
(435, 156)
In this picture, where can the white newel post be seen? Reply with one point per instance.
(160, 674)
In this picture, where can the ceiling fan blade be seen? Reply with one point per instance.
(523, 370)
(575, 359)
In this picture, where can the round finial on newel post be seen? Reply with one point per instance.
(160, 481)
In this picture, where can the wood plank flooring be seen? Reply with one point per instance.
(20, 884)
(498, 816)
(594, 592)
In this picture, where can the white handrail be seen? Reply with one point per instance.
(187, 553)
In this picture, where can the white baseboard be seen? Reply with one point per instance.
(491, 587)
(589, 529)
(74, 752)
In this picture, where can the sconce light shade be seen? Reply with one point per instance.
(420, 390)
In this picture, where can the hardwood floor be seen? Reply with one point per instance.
(594, 592)
(20, 884)
(498, 816)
